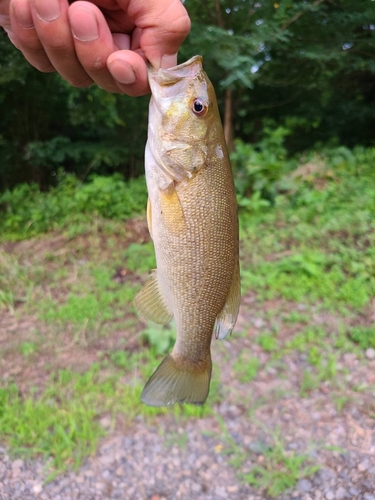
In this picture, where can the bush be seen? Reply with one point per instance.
(27, 212)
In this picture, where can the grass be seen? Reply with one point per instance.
(62, 422)
(279, 469)
(316, 247)
(246, 367)
(276, 470)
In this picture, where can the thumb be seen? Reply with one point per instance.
(165, 24)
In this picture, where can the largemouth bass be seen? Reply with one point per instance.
(192, 219)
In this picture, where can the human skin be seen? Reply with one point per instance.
(103, 41)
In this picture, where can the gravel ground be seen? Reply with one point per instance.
(141, 466)
(174, 461)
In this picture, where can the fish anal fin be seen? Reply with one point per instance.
(227, 317)
(151, 304)
(178, 382)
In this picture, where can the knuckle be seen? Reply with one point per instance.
(80, 84)
(44, 67)
(182, 25)
(98, 64)
(40, 62)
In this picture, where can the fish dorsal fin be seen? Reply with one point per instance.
(151, 304)
(226, 318)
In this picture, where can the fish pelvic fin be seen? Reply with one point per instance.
(150, 302)
(176, 381)
(227, 317)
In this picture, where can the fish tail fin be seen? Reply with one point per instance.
(176, 381)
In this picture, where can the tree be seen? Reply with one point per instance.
(271, 59)
(308, 65)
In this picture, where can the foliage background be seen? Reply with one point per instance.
(308, 67)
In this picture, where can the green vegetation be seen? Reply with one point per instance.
(63, 421)
(246, 367)
(323, 250)
(276, 469)
(363, 336)
(279, 469)
(29, 212)
(306, 66)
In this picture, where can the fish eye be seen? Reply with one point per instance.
(199, 107)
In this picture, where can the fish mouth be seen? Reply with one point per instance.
(173, 75)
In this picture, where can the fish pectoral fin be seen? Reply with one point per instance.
(178, 382)
(149, 216)
(151, 304)
(172, 212)
(226, 318)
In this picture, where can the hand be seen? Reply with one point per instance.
(101, 41)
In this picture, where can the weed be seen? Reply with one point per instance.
(310, 381)
(267, 341)
(106, 300)
(246, 367)
(70, 205)
(27, 348)
(341, 401)
(140, 257)
(363, 336)
(279, 469)
(160, 338)
(296, 317)
(178, 438)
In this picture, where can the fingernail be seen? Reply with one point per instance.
(23, 15)
(84, 26)
(47, 10)
(122, 72)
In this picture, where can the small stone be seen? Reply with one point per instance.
(106, 474)
(196, 488)
(232, 489)
(258, 322)
(120, 471)
(220, 491)
(370, 353)
(340, 493)
(330, 495)
(37, 488)
(368, 496)
(364, 465)
(105, 422)
(354, 491)
(107, 459)
(304, 485)
(17, 464)
(326, 474)
(100, 486)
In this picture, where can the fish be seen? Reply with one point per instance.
(192, 219)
